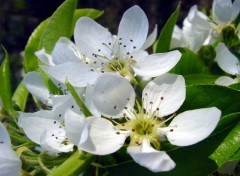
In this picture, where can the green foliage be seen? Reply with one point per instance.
(5, 87)
(190, 63)
(228, 147)
(200, 79)
(202, 96)
(163, 42)
(20, 96)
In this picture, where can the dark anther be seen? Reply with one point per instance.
(118, 132)
(115, 107)
(171, 130)
(134, 47)
(124, 46)
(72, 106)
(131, 40)
(162, 98)
(55, 122)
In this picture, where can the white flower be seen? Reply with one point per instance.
(196, 29)
(114, 97)
(199, 30)
(228, 63)
(104, 52)
(10, 163)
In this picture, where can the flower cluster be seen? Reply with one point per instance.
(112, 95)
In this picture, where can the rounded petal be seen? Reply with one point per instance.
(55, 141)
(113, 95)
(44, 57)
(74, 124)
(156, 64)
(154, 160)
(65, 51)
(192, 126)
(226, 60)
(222, 11)
(100, 137)
(10, 163)
(35, 85)
(91, 38)
(133, 29)
(89, 102)
(225, 81)
(164, 95)
(150, 39)
(34, 124)
(235, 9)
(4, 137)
(77, 73)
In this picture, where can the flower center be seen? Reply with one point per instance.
(116, 65)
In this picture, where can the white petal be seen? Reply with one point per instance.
(235, 9)
(34, 124)
(10, 164)
(4, 137)
(89, 102)
(225, 81)
(156, 64)
(101, 137)
(65, 51)
(178, 39)
(198, 19)
(133, 26)
(35, 85)
(89, 37)
(63, 102)
(226, 60)
(222, 11)
(44, 57)
(154, 160)
(165, 94)
(74, 124)
(192, 126)
(77, 73)
(150, 39)
(54, 141)
(112, 94)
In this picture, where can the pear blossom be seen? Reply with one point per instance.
(104, 52)
(10, 163)
(199, 30)
(114, 97)
(229, 63)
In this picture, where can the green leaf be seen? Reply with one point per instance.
(236, 156)
(200, 79)
(78, 100)
(235, 86)
(5, 87)
(189, 63)
(91, 13)
(74, 165)
(59, 25)
(30, 59)
(228, 147)
(20, 96)
(163, 43)
(201, 96)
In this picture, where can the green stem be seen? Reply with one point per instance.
(74, 165)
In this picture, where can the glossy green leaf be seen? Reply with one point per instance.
(201, 96)
(5, 87)
(74, 165)
(235, 86)
(163, 42)
(59, 25)
(20, 96)
(78, 100)
(30, 59)
(200, 79)
(91, 13)
(228, 147)
(189, 63)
